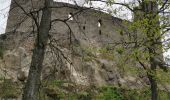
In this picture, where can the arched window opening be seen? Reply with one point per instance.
(70, 16)
(99, 23)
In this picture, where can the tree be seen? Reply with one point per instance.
(33, 81)
(41, 28)
(152, 32)
(147, 23)
(152, 29)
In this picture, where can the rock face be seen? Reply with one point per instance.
(80, 52)
(16, 58)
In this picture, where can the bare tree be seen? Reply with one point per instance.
(33, 81)
(41, 27)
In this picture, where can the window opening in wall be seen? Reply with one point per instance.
(84, 27)
(70, 16)
(99, 23)
(100, 32)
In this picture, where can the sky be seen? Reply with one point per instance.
(123, 13)
(4, 8)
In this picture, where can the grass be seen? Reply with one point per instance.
(62, 90)
(107, 92)
(9, 89)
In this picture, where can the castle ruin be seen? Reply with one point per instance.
(85, 43)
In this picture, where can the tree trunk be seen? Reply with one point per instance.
(154, 91)
(33, 82)
(150, 13)
(152, 78)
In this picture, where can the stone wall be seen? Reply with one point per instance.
(75, 52)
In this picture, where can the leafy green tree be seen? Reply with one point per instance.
(145, 34)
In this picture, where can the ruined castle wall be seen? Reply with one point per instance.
(85, 22)
(88, 65)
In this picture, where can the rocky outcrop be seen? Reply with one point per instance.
(81, 66)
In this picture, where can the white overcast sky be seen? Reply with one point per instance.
(4, 8)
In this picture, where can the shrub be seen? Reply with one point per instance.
(9, 89)
(110, 93)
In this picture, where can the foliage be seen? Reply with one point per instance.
(144, 94)
(110, 93)
(55, 83)
(9, 89)
(163, 95)
(84, 96)
(58, 90)
(90, 53)
(163, 77)
(137, 94)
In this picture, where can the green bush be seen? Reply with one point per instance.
(84, 96)
(137, 94)
(163, 95)
(9, 89)
(110, 93)
(56, 90)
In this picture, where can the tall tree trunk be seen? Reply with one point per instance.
(33, 82)
(152, 78)
(150, 9)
